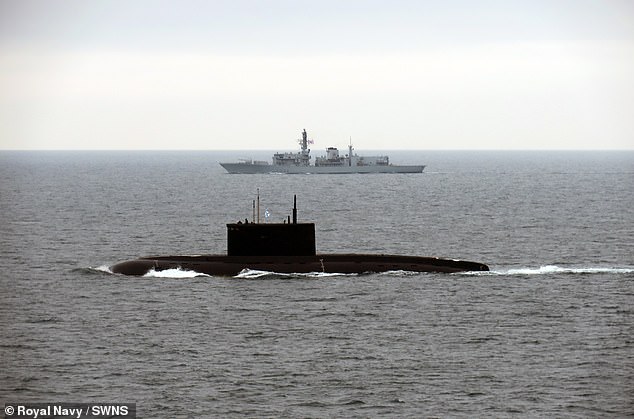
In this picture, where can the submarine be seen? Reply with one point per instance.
(287, 248)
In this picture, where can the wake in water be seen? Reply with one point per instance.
(255, 274)
(174, 273)
(542, 270)
(103, 269)
(244, 274)
(553, 269)
(167, 273)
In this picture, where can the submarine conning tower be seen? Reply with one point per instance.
(272, 239)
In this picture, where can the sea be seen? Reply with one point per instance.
(548, 332)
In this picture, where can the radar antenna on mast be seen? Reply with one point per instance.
(304, 141)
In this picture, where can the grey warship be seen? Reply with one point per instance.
(287, 248)
(331, 163)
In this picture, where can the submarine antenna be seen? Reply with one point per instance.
(294, 209)
(258, 219)
(253, 218)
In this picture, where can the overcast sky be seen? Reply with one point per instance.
(393, 74)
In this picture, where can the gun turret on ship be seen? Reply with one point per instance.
(332, 162)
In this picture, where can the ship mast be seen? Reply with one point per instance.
(304, 155)
(304, 140)
(350, 152)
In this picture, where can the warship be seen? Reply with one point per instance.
(286, 248)
(332, 162)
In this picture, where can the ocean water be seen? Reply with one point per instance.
(549, 332)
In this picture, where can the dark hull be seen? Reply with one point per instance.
(218, 265)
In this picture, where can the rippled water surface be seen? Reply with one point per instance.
(548, 332)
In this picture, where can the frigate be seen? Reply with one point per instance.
(332, 162)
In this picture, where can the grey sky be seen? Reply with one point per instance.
(251, 74)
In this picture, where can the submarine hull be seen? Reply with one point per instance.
(220, 265)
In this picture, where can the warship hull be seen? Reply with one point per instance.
(222, 265)
(249, 168)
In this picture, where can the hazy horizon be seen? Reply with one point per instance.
(250, 75)
(318, 152)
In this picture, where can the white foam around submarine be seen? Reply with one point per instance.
(553, 269)
(173, 273)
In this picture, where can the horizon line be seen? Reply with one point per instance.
(276, 150)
